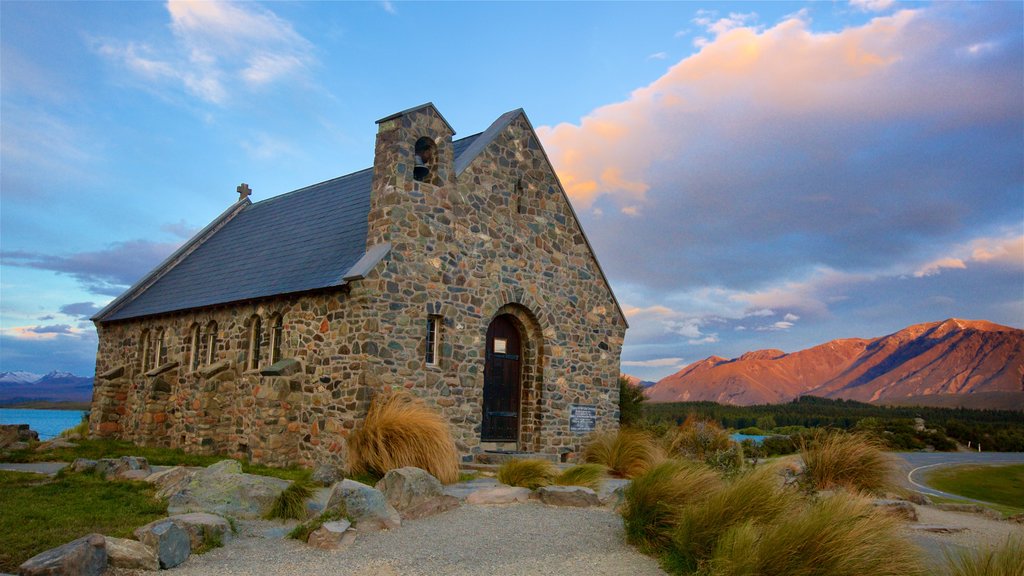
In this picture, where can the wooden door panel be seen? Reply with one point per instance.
(501, 382)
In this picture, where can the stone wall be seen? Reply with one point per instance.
(500, 238)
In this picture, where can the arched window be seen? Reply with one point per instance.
(211, 342)
(276, 335)
(144, 351)
(160, 348)
(194, 342)
(255, 343)
(426, 153)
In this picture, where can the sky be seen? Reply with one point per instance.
(750, 175)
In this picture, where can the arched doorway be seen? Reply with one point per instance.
(502, 381)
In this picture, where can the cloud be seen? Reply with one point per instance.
(181, 229)
(48, 332)
(216, 47)
(107, 272)
(872, 5)
(83, 309)
(73, 353)
(388, 7)
(1007, 251)
(658, 56)
(655, 363)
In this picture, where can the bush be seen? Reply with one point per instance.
(698, 439)
(589, 475)
(654, 500)
(778, 446)
(400, 430)
(291, 502)
(626, 453)
(1007, 559)
(840, 536)
(631, 402)
(527, 473)
(853, 461)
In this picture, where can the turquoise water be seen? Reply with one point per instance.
(48, 423)
(741, 437)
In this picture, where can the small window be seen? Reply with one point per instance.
(425, 150)
(194, 343)
(433, 355)
(211, 343)
(160, 349)
(144, 351)
(276, 333)
(255, 343)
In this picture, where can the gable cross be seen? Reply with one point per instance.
(243, 191)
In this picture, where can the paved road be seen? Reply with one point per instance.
(48, 468)
(915, 464)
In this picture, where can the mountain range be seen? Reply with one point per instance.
(57, 386)
(932, 363)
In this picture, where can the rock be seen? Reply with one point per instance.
(332, 535)
(202, 525)
(499, 495)
(54, 444)
(327, 474)
(898, 508)
(937, 528)
(425, 508)
(464, 489)
(170, 542)
(613, 492)
(85, 556)
(83, 465)
(970, 509)
(12, 434)
(1018, 518)
(578, 496)
(170, 481)
(120, 467)
(131, 554)
(223, 489)
(366, 506)
(408, 487)
(919, 499)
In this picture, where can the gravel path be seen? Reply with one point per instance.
(521, 539)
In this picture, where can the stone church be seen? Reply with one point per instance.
(455, 269)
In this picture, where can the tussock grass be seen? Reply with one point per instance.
(400, 430)
(589, 475)
(80, 430)
(841, 535)
(302, 531)
(654, 500)
(853, 461)
(1005, 560)
(697, 439)
(752, 497)
(291, 502)
(529, 473)
(625, 453)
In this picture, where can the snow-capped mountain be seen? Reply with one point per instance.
(57, 386)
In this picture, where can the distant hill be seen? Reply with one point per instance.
(57, 386)
(638, 382)
(917, 364)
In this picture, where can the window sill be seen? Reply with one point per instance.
(215, 368)
(162, 368)
(112, 373)
(285, 367)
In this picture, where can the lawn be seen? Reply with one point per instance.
(38, 513)
(997, 484)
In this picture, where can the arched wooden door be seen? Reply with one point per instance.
(502, 382)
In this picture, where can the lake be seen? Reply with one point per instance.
(49, 423)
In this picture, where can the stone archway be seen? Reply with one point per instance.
(530, 367)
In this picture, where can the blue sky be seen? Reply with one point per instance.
(751, 175)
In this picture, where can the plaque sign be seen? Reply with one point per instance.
(582, 418)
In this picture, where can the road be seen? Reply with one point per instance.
(915, 464)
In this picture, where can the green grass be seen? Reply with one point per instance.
(38, 513)
(95, 449)
(996, 484)
(291, 502)
(589, 475)
(529, 473)
(654, 502)
(303, 530)
(1007, 559)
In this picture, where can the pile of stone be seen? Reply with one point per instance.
(16, 436)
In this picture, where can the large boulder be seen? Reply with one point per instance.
(203, 526)
(171, 481)
(366, 506)
(409, 486)
(326, 474)
(332, 535)
(578, 496)
(171, 543)
(499, 495)
(85, 556)
(125, 467)
(223, 489)
(899, 508)
(131, 554)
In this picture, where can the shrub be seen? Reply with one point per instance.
(80, 430)
(626, 453)
(291, 502)
(698, 439)
(400, 430)
(528, 473)
(838, 459)
(1007, 559)
(589, 475)
(841, 536)
(654, 500)
(753, 497)
(631, 402)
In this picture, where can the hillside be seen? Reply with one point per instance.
(57, 386)
(952, 357)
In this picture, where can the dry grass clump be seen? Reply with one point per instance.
(625, 453)
(853, 461)
(841, 535)
(698, 439)
(291, 502)
(400, 430)
(1007, 559)
(588, 475)
(528, 473)
(654, 500)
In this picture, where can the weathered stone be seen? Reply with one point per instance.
(578, 496)
(13, 433)
(971, 509)
(936, 528)
(170, 542)
(332, 535)
(919, 499)
(408, 487)
(499, 495)
(85, 556)
(366, 506)
(327, 474)
(202, 525)
(170, 481)
(430, 507)
(83, 465)
(54, 444)
(223, 489)
(898, 508)
(117, 467)
(131, 554)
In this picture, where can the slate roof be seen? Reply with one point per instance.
(303, 240)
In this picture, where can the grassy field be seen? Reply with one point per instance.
(38, 513)
(997, 484)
